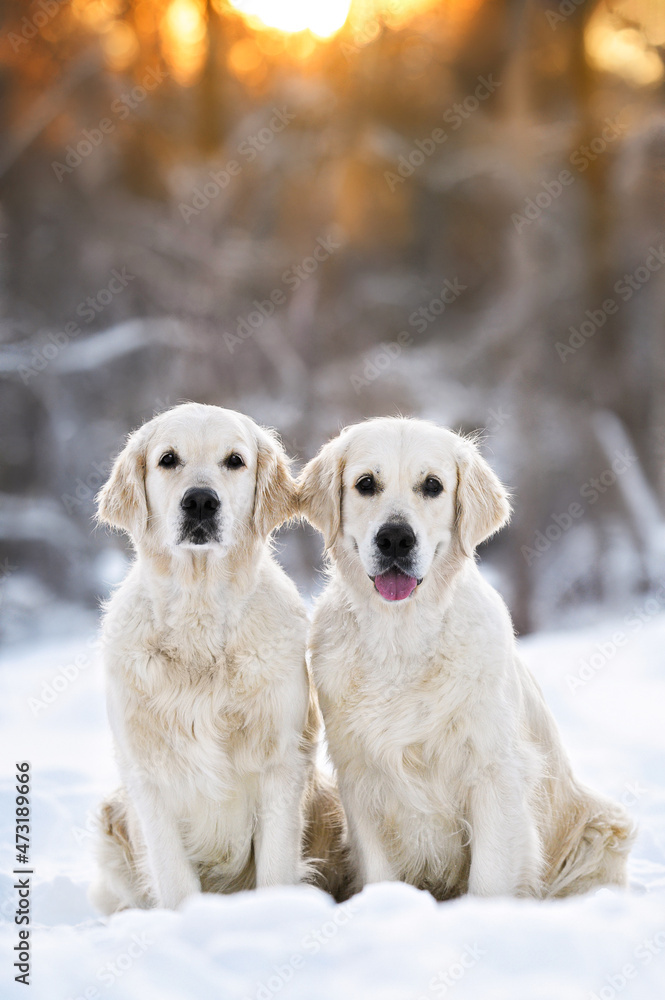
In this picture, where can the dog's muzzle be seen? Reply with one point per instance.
(395, 542)
(199, 507)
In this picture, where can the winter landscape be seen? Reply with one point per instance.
(315, 215)
(391, 941)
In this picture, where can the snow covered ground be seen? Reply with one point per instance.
(606, 687)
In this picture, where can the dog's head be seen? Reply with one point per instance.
(396, 497)
(198, 478)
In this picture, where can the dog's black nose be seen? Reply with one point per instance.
(200, 504)
(395, 539)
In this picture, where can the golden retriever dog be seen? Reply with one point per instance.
(450, 766)
(210, 702)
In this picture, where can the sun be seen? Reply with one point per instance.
(296, 15)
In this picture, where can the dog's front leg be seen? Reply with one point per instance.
(506, 855)
(172, 875)
(279, 829)
(371, 859)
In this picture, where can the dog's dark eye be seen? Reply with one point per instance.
(366, 485)
(432, 486)
(168, 460)
(234, 461)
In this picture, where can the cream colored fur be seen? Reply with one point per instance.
(214, 718)
(450, 766)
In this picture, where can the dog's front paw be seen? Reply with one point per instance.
(171, 895)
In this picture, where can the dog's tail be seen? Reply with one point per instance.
(596, 849)
(326, 846)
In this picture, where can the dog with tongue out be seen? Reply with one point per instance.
(450, 766)
(395, 540)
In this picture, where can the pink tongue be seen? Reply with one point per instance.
(395, 585)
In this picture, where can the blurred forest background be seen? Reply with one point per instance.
(316, 213)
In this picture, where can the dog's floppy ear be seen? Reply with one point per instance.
(122, 502)
(275, 494)
(320, 491)
(481, 505)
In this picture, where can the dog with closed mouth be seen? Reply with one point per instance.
(450, 766)
(213, 714)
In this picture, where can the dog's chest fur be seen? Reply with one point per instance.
(401, 719)
(396, 722)
(208, 701)
(208, 723)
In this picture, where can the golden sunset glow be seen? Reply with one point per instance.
(648, 14)
(624, 51)
(184, 36)
(295, 15)
(621, 40)
(121, 45)
(96, 14)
